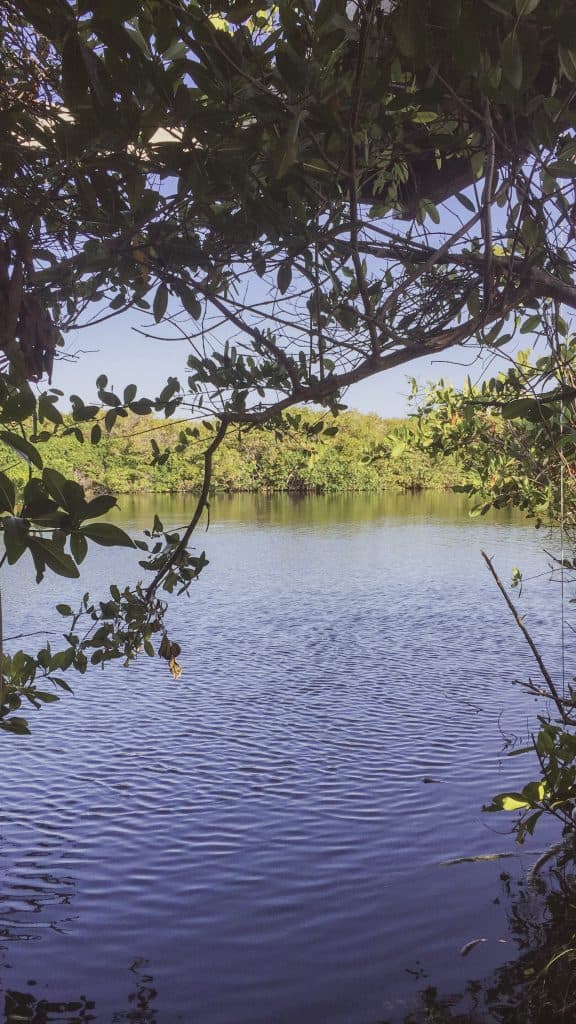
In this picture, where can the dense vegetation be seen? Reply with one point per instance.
(365, 454)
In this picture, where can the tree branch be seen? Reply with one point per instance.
(200, 506)
(520, 623)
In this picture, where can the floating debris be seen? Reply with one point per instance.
(478, 857)
(470, 946)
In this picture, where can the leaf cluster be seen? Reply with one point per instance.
(307, 193)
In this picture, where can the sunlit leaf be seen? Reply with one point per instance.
(513, 802)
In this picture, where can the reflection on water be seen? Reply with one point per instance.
(316, 510)
(20, 1006)
(538, 984)
(36, 902)
(26, 1008)
(262, 841)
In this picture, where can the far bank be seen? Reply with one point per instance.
(154, 456)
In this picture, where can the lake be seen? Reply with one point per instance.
(267, 840)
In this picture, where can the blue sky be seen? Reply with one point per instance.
(116, 349)
(126, 357)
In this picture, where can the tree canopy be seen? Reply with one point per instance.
(307, 192)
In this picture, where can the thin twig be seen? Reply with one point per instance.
(487, 200)
(518, 619)
(200, 506)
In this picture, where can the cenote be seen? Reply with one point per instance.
(289, 832)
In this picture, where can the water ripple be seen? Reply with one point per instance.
(260, 841)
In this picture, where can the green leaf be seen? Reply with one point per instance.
(491, 336)
(511, 55)
(259, 264)
(18, 406)
(544, 742)
(75, 79)
(15, 538)
(190, 301)
(61, 683)
(37, 503)
(465, 42)
(118, 10)
(398, 450)
(160, 303)
(567, 58)
(62, 659)
(525, 7)
(520, 408)
(562, 169)
(109, 398)
(74, 497)
(527, 826)
(22, 447)
(15, 725)
(284, 278)
(110, 419)
(288, 155)
(55, 483)
(287, 148)
(55, 558)
(534, 792)
(78, 546)
(513, 802)
(107, 535)
(531, 324)
(7, 494)
(316, 428)
(64, 609)
(424, 117)
(408, 29)
(529, 232)
(99, 506)
(141, 407)
(291, 67)
(47, 409)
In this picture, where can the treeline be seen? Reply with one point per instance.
(364, 455)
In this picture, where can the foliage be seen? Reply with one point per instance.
(514, 433)
(357, 457)
(516, 437)
(284, 186)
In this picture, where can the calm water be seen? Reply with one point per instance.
(265, 840)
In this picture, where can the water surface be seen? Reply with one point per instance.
(265, 839)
